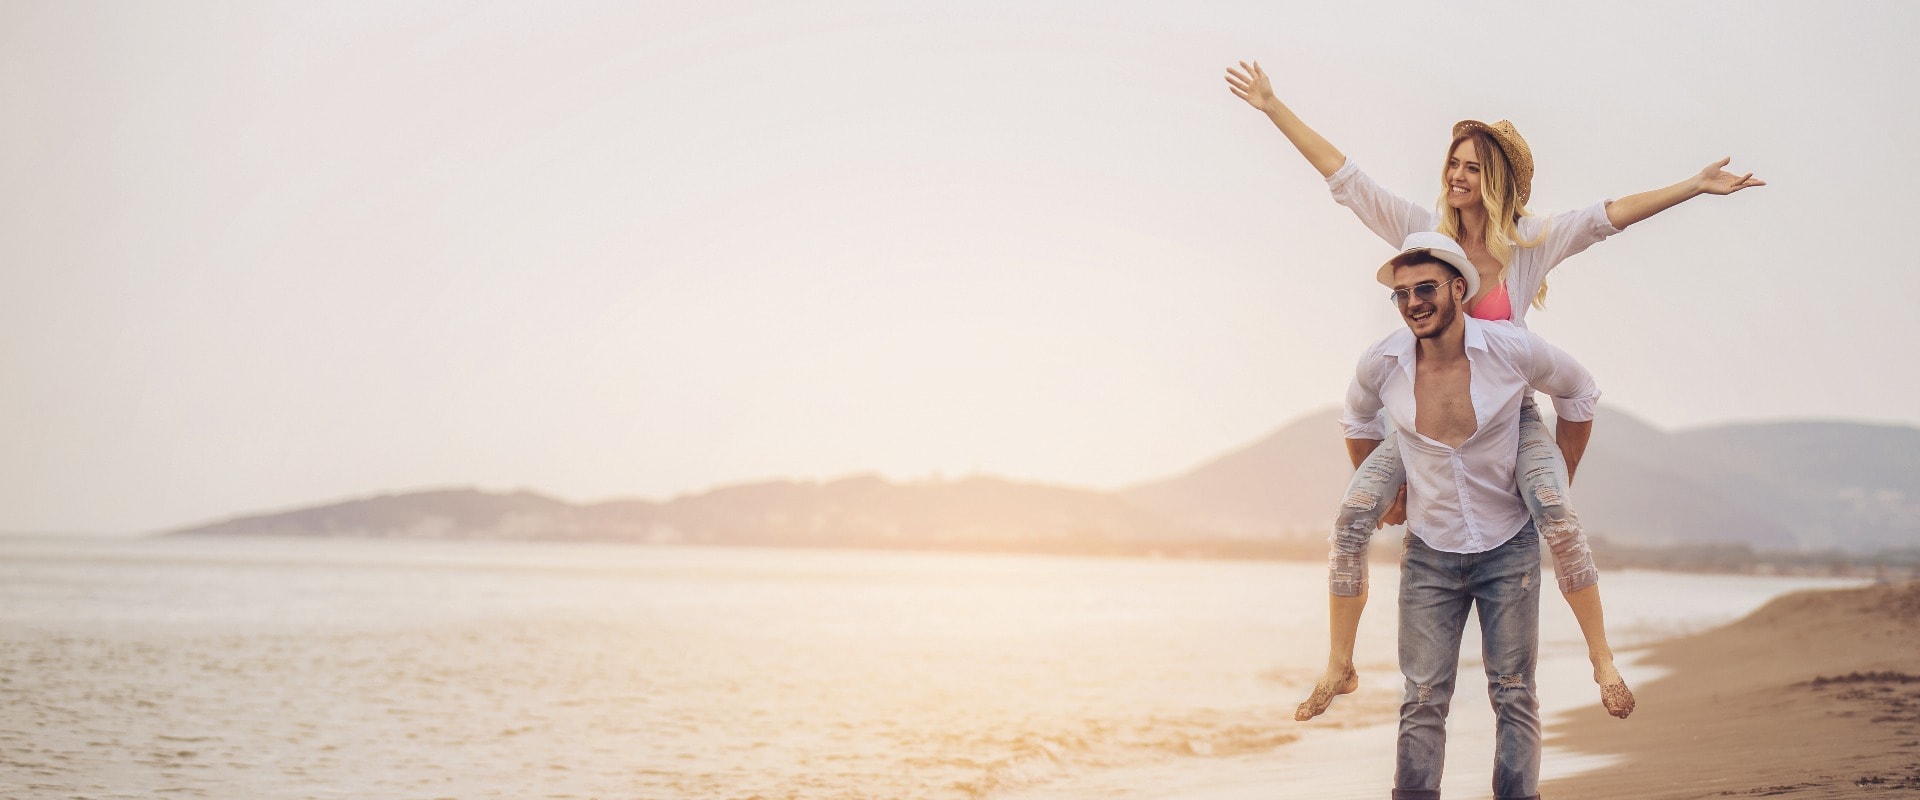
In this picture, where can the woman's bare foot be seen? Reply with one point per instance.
(1335, 683)
(1617, 699)
(1614, 694)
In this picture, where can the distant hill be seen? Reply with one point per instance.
(1774, 486)
(437, 514)
(1284, 485)
(977, 512)
(1836, 484)
(1780, 486)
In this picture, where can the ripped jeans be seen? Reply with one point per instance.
(1436, 591)
(1542, 474)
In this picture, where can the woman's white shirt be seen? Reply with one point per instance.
(1392, 218)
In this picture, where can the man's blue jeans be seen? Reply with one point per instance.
(1436, 591)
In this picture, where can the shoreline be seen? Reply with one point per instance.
(1692, 559)
(1803, 697)
(1814, 695)
(1349, 758)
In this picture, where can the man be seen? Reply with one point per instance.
(1453, 386)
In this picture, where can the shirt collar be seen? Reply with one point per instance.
(1476, 333)
(1475, 339)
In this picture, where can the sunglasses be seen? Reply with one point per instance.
(1424, 292)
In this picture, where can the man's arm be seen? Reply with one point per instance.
(1550, 370)
(1572, 438)
(1359, 449)
(1366, 428)
(1362, 418)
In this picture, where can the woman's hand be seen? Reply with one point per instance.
(1715, 179)
(1250, 83)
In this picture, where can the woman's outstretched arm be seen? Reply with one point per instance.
(1715, 179)
(1250, 83)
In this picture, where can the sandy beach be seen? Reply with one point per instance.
(1815, 695)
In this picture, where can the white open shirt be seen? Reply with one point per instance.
(1463, 500)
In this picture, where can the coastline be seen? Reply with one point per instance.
(1734, 708)
(1814, 695)
(1341, 758)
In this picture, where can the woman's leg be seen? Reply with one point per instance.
(1543, 484)
(1369, 494)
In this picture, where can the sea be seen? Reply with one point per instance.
(326, 668)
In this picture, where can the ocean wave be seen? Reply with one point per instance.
(1011, 761)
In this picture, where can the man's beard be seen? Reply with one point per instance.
(1442, 319)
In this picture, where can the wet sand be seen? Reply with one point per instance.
(1815, 695)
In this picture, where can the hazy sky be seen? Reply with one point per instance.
(261, 255)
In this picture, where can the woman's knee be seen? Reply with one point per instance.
(1559, 526)
(1347, 561)
(1360, 513)
(1567, 542)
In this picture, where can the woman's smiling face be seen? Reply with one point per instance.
(1463, 175)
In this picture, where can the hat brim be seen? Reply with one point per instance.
(1459, 262)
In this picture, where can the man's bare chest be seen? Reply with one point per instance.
(1443, 403)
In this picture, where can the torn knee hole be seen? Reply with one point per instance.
(1425, 693)
(1362, 499)
(1513, 682)
(1353, 532)
(1561, 527)
(1548, 496)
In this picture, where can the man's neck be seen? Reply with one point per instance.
(1447, 347)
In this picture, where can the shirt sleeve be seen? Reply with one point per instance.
(1570, 232)
(1390, 216)
(1551, 371)
(1362, 417)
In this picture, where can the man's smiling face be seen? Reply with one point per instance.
(1428, 317)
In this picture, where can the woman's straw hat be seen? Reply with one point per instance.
(1519, 156)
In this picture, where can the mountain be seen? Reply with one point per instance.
(1770, 486)
(1284, 485)
(977, 512)
(872, 510)
(1836, 484)
(438, 514)
(1779, 486)
(1639, 485)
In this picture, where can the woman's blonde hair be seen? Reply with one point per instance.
(1499, 196)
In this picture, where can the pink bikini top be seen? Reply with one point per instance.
(1495, 306)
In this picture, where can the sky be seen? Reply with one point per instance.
(257, 256)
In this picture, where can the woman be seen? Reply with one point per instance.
(1485, 186)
